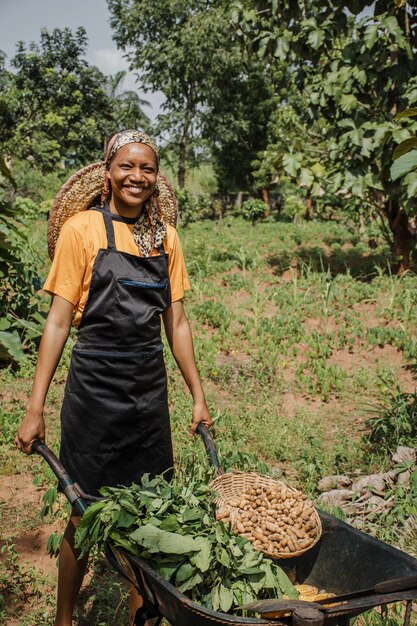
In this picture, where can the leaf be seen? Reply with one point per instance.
(185, 571)
(250, 570)
(170, 523)
(306, 177)
(406, 113)
(191, 515)
(371, 35)
(202, 558)
(157, 540)
(404, 147)
(348, 102)
(118, 540)
(404, 164)
(223, 557)
(225, 598)
(167, 568)
(282, 47)
(125, 519)
(315, 39)
(129, 506)
(256, 581)
(285, 584)
(291, 163)
(215, 599)
(190, 583)
(11, 343)
(4, 323)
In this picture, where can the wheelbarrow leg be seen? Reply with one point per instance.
(408, 609)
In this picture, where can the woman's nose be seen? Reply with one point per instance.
(136, 174)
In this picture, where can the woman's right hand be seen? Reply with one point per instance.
(32, 427)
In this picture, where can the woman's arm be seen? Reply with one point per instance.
(179, 337)
(56, 332)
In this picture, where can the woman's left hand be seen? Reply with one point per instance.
(201, 415)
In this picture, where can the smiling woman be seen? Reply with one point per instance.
(132, 176)
(119, 267)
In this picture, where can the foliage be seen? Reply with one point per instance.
(18, 280)
(254, 210)
(7, 109)
(187, 50)
(59, 102)
(405, 155)
(190, 208)
(236, 122)
(296, 148)
(173, 527)
(16, 584)
(395, 423)
(354, 68)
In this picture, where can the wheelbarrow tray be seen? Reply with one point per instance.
(343, 561)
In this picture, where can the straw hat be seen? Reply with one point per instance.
(83, 189)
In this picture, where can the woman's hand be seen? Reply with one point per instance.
(32, 427)
(201, 415)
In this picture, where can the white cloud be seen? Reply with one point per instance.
(109, 60)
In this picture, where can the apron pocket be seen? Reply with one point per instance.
(137, 284)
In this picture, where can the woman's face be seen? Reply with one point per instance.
(132, 174)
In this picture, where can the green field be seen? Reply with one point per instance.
(302, 336)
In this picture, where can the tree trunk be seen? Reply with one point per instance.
(267, 200)
(404, 240)
(309, 206)
(182, 157)
(181, 164)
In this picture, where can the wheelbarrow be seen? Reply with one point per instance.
(344, 562)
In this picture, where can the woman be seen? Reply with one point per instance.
(120, 268)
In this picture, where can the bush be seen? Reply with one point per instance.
(253, 210)
(192, 208)
(395, 423)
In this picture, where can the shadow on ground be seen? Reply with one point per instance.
(359, 263)
(104, 600)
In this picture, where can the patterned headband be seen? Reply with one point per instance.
(129, 136)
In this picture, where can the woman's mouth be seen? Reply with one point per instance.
(134, 189)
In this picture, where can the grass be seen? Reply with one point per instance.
(298, 328)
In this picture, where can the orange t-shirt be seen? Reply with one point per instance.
(81, 238)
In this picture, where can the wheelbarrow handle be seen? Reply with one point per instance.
(210, 447)
(71, 490)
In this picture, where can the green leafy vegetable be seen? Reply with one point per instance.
(173, 527)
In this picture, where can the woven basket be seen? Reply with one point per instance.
(233, 484)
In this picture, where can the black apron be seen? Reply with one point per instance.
(114, 418)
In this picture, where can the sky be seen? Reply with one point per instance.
(22, 20)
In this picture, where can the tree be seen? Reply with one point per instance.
(183, 48)
(62, 111)
(128, 105)
(236, 123)
(353, 64)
